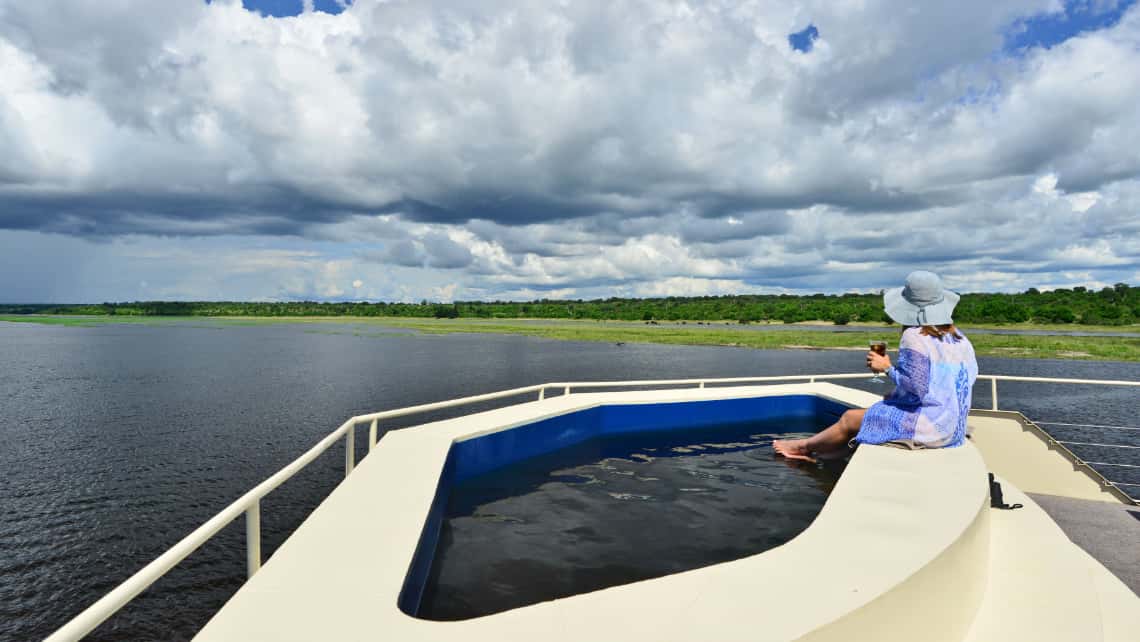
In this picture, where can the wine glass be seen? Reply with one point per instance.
(878, 346)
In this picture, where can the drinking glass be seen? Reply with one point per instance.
(879, 346)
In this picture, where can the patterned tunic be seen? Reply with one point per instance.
(933, 379)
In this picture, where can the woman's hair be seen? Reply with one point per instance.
(946, 330)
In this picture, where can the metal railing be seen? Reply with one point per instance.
(994, 379)
(249, 504)
(1061, 447)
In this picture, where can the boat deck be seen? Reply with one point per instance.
(1108, 532)
(900, 528)
(1014, 574)
(1100, 520)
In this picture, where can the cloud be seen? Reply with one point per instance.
(445, 253)
(591, 147)
(406, 253)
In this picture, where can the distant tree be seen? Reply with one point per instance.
(1057, 314)
(1119, 304)
(788, 314)
(446, 312)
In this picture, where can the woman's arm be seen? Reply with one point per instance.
(912, 373)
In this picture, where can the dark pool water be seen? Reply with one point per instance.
(116, 441)
(619, 510)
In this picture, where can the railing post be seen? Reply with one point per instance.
(567, 390)
(253, 538)
(993, 392)
(811, 379)
(702, 385)
(349, 449)
(372, 435)
(541, 394)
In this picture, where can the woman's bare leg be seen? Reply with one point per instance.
(828, 440)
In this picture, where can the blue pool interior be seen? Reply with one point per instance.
(560, 506)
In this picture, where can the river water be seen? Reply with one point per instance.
(120, 439)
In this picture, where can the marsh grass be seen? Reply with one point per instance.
(996, 345)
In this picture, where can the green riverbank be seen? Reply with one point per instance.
(1020, 346)
(1103, 348)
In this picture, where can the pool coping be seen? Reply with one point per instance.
(899, 523)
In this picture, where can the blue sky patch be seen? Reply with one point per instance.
(276, 8)
(804, 40)
(1049, 29)
(284, 8)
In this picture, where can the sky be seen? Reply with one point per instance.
(445, 150)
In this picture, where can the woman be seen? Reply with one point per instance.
(933, 380)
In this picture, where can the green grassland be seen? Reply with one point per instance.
(790, 336)
(76, 320)
(1020, 346)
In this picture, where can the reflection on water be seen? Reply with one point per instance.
(620, 510)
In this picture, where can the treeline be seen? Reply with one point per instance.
(1117, 305)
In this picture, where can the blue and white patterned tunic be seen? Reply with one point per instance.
(933, 379)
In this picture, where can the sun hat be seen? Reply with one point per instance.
(922, 301)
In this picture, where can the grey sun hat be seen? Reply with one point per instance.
(923, 301)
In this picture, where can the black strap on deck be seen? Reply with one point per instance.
(996, 500)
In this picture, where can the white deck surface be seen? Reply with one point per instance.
(1042, 589)
(1108, 532)
(902, 550)
(1019, 455)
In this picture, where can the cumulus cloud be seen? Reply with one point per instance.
(449, 149)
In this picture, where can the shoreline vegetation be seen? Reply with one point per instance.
(775, 335)
(1118, 305)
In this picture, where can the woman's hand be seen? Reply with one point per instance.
(877, 362)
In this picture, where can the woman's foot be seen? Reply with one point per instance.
(793, 449)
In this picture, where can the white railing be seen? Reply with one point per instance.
(250, 503)
(994, 379)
